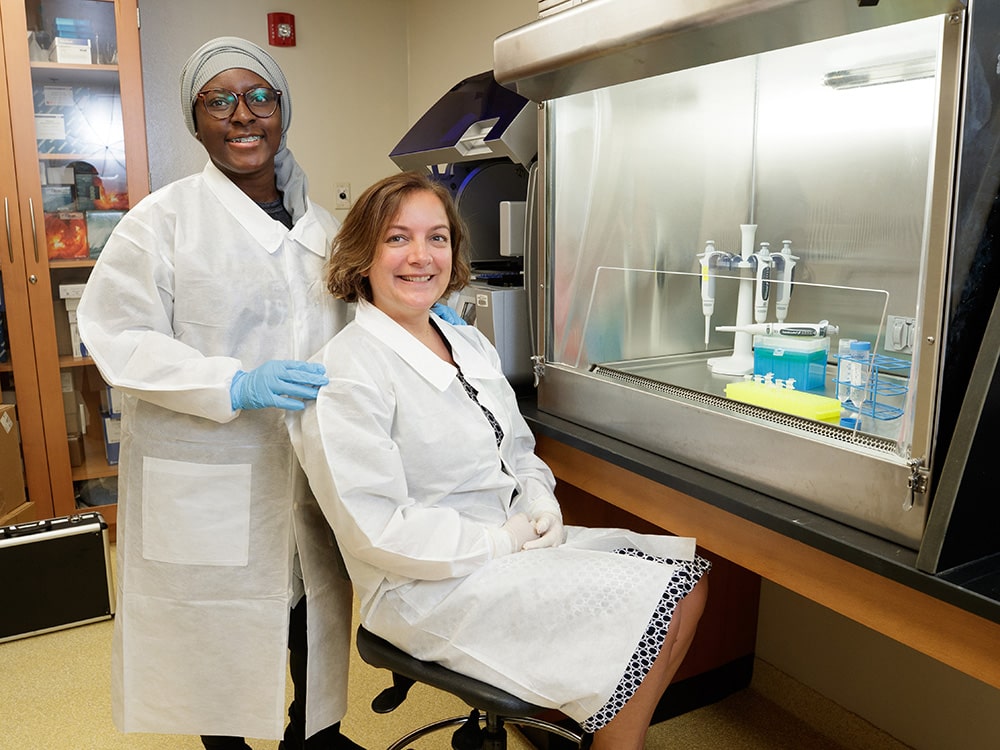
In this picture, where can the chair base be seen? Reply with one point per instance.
(499, 739)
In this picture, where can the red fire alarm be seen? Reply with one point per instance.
(281, 29)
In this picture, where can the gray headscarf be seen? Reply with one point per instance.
(225, 53)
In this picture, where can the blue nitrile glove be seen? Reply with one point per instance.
(447, 314)
(280, 383)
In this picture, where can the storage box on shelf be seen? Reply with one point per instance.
(11, 475)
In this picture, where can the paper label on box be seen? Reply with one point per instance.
(6, 422)
(50, 127)
(59, 96)
(113, 429)
(67, 291)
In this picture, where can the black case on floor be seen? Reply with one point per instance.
(56, 574)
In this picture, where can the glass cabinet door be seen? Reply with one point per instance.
(81, 164)
(24, 476)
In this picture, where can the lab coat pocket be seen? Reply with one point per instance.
(195, 514)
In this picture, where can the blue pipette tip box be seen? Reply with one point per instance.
(803, 359)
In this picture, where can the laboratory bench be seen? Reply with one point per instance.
(952, 617)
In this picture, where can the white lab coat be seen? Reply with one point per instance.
(196, 283)
(412, 511)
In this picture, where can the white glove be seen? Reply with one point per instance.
(521, 530)
(549, 528)
(512, 536)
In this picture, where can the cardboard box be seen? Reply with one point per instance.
(63, 344)
(74, 406)
(65, 50)
(111, 401)
(76, 449)
(12, 493)
(66, 235)
(76, 346)
(71, 291)
(75, 411)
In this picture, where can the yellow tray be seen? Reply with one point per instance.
(799, 403)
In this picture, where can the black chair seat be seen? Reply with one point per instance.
(497, 705)
(378, 652)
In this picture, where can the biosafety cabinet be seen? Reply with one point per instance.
(765, 243)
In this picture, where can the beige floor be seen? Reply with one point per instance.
(54, 692)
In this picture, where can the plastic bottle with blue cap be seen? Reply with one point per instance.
(860, 359)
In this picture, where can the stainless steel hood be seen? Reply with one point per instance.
(862, 132)
(604, 42)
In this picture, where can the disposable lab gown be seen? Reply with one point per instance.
(196, 283)
(412, 506)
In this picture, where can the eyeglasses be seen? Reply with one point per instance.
(221, 103)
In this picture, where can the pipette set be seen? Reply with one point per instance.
(760, 273)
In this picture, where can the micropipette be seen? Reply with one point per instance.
(784, 266)
(763, 290)
(708, 285)
(814, 330)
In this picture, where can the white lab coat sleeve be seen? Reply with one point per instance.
(366, 500)
(537, 484)
(125, 322)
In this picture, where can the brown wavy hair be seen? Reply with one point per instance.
(356, 245)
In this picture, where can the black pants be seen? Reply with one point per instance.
(295, 732)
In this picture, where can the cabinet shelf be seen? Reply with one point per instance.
(72, 263)
(68, 74)
(67, 361)
(48, 156)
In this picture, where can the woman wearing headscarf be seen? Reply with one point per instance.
(201, 309)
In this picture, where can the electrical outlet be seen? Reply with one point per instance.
(343, 195)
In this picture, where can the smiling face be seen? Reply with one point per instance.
(412, 265)
(243, 145)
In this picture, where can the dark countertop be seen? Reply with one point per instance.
(975, 587)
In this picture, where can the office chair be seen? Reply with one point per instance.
(492, 708)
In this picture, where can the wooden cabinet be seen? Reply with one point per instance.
(72, 159)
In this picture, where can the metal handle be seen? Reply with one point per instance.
(10, 244)
(34, 229)
(530, 249)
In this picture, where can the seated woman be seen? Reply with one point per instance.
(447, 520)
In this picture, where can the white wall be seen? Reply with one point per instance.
(360, 74)
(450, 40)
(347, 76)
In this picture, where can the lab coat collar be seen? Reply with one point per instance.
(269, 233)
(428, 365)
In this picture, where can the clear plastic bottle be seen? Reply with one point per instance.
(860, 360)
(844, 369)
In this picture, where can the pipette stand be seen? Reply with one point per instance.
(740, 362)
